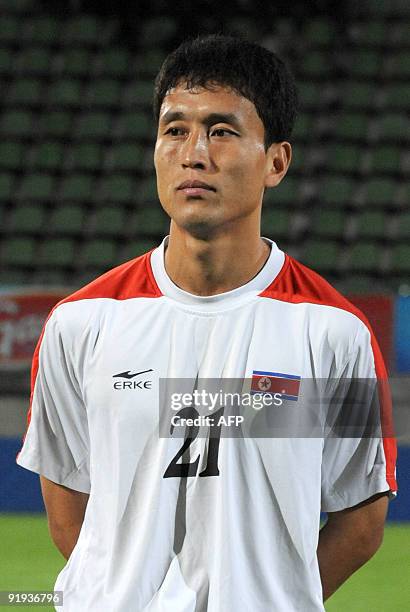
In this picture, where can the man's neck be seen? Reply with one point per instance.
(220, 264)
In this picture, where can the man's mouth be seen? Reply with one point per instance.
(195, 187)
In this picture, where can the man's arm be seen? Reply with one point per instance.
(349, 539)
(65, 512)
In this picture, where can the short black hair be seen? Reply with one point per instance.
(247, 68)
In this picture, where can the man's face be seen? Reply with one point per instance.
(210, 158)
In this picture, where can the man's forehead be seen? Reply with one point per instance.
(198, 101)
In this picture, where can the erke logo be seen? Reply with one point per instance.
(129, 383)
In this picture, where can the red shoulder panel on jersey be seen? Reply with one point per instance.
(297, 283)
(131, 279)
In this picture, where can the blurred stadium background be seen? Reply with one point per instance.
(78, 196)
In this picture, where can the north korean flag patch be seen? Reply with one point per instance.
(287, 385)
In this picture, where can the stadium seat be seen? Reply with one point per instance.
(37, 187)
(358, 94)
(139, 94)
(158, 30)
(19, 252)
(371, 33)
(400, 65)
(364, 256)
(403, 225)
(114, 62)
(68, 220)
(147, 191)
(372, 224)
(103, 93)
(148, 63)
(400, 261)
(364, 63)
(57, 253)
(319, 31)
(136, 125)
(394, 128)
(125, 156)
(9, 29)
(275, 223)
(16, 124)
(109, 221)
(397, 96)
(6, 61)
(11, 155)
(75, 62)
(55, 123)
(85, 156)
(328, 223)
(316, 64)
(285, 193)
(350, 126)
(385, 160)
(43, 30)
(85, 30)
(24, 92)
(321, 255)
(135, 248)
(77, 188)
(96, 126)
(343, 158)
(150, 221)
(117, 188)
(309, 95)
(379, 192)
(34, 61)
(336, 190)
(66, 93)
(99, 253)
(27, 219)
(6, 186)
(47, 155)
(303, 127)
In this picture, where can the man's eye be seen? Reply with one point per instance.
(174, 131)
(221, 132)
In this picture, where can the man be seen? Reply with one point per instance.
(223, 524)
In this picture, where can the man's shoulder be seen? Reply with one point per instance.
(299, 284)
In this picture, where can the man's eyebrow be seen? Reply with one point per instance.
(208, 120)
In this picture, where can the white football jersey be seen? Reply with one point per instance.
(226, 524)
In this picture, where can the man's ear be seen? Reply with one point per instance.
(279, 156)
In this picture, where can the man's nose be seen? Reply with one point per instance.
(195, 153)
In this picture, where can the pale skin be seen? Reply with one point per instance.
(217, 137)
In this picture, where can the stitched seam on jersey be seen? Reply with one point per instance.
(188, 309)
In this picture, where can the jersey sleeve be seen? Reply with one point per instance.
(359, 450)
(56, 444)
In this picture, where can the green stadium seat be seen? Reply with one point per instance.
(115, 62)
(84, 29)
(343, 158)
(372, 224)
(9, 29)
(319, 31)
(6, 186)
(364, 257)
(25, 92)
(86, 156)
(364, 63)
(158, 30)
(76, 62)
(109, 221)
(47, 156)
(19, 252)
(303, 127)
(56, 123)
(57, 253)
(135, 248)
(43, 30)
(125, 156)
(328, 223)
(68, 220)
(310, 94)
(275, 223)
(149, 62)
(321, 255)
(336, 190)
(66, 92)
(400, 65)
(357, 283)
(48, 277)
(397, 96)
(6, 61)
(400, 261)
(351, 126)
(99, 253)
(403, 225)
(285, 193)
(299, 156)
(151, 221)
(16, 123)
(372, 33)
(77, 188)
(358, 94)
(14, 277)
(147, 191)
(94, 126)
(34, 61)
(379, 192)
(27, 219)
(394, 127)
(136, 125)
(316, 64)
(139, 94)
(103, 93)
(117, 188)
(11, 155)
(37, 187)
(385, 160)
